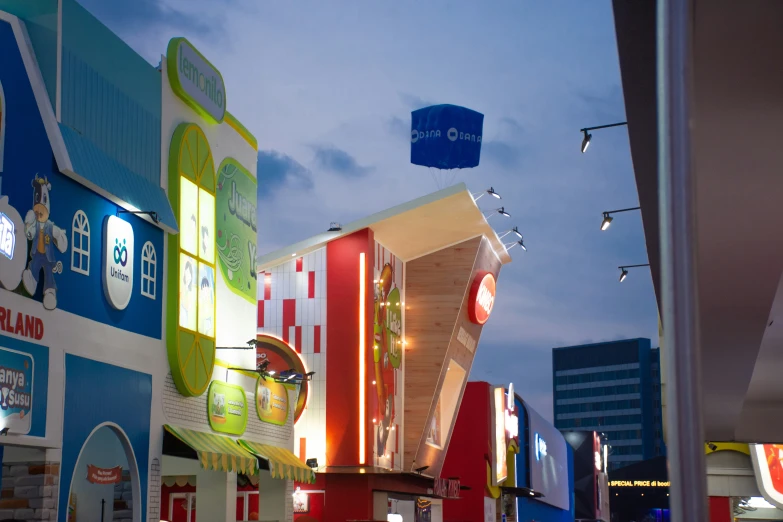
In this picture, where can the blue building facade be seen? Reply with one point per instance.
(81, 279)
(529, 508)
(613, 388)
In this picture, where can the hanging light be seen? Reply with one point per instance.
(607, 221)
(514, 230)
(520, 243)
(586, 140)
(588, 136)
(624, 270)
(501, 211)
(490, 191)
(608, 216)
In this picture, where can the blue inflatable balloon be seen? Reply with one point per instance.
(446, 137)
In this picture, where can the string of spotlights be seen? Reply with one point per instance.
(501, 211)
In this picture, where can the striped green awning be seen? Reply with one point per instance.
(282, 463)
(216, 452)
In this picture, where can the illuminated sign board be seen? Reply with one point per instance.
(540, 446)
(511, 419)
(194, 79)
(499, 439)
(118, 248)
(7, 236)
(639, 483)
(482, 298)
(768, 467)
(227, 408)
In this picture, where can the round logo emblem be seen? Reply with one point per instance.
(482, 298)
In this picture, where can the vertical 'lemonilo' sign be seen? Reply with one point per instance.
(194, 79)
(190, 332)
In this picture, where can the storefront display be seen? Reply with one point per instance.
(84, 218)
(244, 428)
(391, 363)
(504, 482)
(79, 274)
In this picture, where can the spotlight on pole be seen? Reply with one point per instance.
(608, 216)
(587, 136)
(624, 270)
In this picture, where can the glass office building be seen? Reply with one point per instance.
(613, 388)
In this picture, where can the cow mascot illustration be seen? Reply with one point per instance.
(45, 236)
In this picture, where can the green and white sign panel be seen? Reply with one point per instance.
(237, 228)
(227, 408)
(194, 79)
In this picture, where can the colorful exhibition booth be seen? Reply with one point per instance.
(514, 465)
(387, 312)
(129, 390)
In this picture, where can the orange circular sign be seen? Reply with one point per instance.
(281, 357)
(482, 298)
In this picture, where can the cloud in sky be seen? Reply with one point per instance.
(275, 170)
(307, 72)
(336, 160)
(414, 102)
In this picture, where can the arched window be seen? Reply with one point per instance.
(80, 243)
(2, 125)
(149, 270)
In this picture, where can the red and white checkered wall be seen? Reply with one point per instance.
(292, 306)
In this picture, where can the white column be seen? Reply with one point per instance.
(272, 498)
(216, 496)
(380, 505)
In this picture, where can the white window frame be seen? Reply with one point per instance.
(188, 497)
(150, 256)
(244, 495)
(84, 233)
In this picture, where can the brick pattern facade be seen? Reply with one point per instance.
(292, 306)
(29, 491)
(154, 496)
(191, 412)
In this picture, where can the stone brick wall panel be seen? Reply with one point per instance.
(29, 491)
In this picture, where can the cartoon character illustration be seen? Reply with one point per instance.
(45, 236)
(204, 240)
(206, 302)
(384, 373)
(186, 301)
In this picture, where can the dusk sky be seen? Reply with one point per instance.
(328, 87)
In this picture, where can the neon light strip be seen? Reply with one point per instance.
(362, 368)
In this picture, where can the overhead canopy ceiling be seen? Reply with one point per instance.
(413, 229)
(737, 110)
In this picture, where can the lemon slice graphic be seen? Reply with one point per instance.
(191, 354)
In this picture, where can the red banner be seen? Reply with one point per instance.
(98, 475)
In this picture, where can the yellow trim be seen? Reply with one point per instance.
(494, 491)
(727, 446)
(241, 129)
(283, 463)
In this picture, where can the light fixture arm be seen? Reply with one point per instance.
(621, 210)
(514, 230)
(632, 266)
(151, 213)
(619, 124)
(499, 210)
(490, 191)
